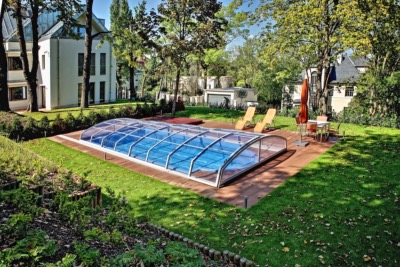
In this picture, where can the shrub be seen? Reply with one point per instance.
(71, 122)
(86, 255)
(59, 125)
(16, 129)
(149, 255)
(111, 113)
(44, 124)
(93, 117)
(31, 129)
(18, 224)
(180, 254)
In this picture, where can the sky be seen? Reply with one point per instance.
(101, 8)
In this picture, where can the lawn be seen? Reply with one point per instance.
(342, 209)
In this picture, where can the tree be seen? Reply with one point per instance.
(379, 39)
(87, 54)
(30, 73)
(242, 93)
(316, 37)
(65, 10)
(244, 62)
(120, 16)
(4, 105)
(128, 45)
(185, 28)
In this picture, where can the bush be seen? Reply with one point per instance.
(71, 122)
(16, 129)
(59, 125)
(44, 124)
(31, 129)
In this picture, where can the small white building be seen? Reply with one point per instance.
(60, 71)
(219, 96)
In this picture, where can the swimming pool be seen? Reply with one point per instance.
(210, 156)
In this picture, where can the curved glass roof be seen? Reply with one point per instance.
(210, 156)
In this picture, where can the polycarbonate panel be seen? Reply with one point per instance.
(244, 160)
(211, 156)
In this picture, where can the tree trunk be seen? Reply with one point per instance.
(132, 79)
(87, 56)
(143, 83)
(178, 75)
(119, 81)
(29, 74)
(4, 105)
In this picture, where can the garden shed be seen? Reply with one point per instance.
(234, 95)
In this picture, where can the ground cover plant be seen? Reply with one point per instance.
(18, 163)
(69, 232)
(342, 209)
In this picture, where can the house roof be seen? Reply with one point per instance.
(347, 71)
(48, 26)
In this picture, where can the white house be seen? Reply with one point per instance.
(213, 95)
(342, 84)
(59, 76)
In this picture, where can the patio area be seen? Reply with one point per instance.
(254, 184)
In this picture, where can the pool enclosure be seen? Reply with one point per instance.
(210, 156)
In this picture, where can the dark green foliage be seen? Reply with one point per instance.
(18, 224)
(122, 260)
(150, 255)
(44, 124)
(76, 213)
(67, 261)
(93, 117)
(180, 255)
(30, 249)
(31, 129)
(21, 199)
(96, 234)
(16, 129)
(86, 255)
(71, 122)
(59, 125)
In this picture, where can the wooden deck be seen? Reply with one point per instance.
(256, 184)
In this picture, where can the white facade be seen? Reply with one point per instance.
(220, 95)
(344, 74)
(58, 77)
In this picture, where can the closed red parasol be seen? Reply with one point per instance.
(303, 114)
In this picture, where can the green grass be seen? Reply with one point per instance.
(281, 122)
(342, 206)
(51, 114)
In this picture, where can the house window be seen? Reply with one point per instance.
(291, 89)
(17, 93)
(349, 91)
(102, 91)
(91, 93)
(330, 91)
(102, 63)
(43, 62)
(14, 63)
(80, 64)
(92, 64)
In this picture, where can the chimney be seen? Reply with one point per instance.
(103, 21)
